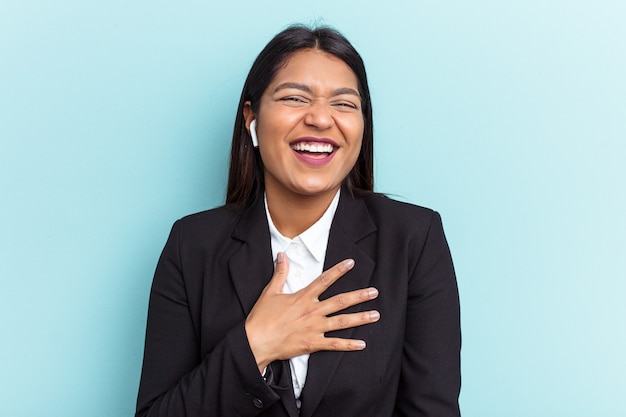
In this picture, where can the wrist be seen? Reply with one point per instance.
(262, 360)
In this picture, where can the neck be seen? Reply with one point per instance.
(293, 214)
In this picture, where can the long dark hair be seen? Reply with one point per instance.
(245, 175)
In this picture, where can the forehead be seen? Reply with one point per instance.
(315, 68)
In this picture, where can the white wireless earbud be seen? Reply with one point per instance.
(255, 140)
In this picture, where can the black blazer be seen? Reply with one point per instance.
(197, 360)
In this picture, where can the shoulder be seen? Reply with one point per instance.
(219, 214)
(396, 224)
(408, 230)
(218, 220)
(386, 211)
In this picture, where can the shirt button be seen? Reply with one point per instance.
(297, 274)
(257, 403)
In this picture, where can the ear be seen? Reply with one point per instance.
(248, 114)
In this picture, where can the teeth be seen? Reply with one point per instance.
(313, 147)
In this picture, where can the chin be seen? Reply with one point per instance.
(317, 189)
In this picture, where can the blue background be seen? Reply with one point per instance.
(507, 117)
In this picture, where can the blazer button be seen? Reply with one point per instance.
(257, 403)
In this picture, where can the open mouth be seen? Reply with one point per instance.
(313, 149)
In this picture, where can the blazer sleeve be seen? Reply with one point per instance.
(176, 380)
(431, 379)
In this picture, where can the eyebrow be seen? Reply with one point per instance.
(307, 89)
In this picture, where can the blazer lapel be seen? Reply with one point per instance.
(351, 224)
(251, 268)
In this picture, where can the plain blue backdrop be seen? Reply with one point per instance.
(508, 117)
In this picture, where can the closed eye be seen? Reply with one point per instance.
(346, 105)
(294, 99)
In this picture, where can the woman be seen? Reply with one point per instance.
(306, 294)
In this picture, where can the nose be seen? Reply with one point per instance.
(319, 116)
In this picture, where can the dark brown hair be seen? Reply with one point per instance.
(245, 176)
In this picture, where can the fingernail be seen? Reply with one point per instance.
(374, 315)
(280, 257)
(349, 263)
(372, 292)
(359, 344)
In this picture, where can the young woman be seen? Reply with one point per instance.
(307, 293)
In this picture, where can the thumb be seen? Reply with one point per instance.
(281, 270)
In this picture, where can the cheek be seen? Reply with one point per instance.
(358, 139)
(270, 157)
(353, 156)
(358, 147)
(352, 127)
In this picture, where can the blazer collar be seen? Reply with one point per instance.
(251, 267)
(351, 225)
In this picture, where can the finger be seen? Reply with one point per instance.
(346, 321)
(337, 344)
(328, 277)
(281, 270)
(347, 299)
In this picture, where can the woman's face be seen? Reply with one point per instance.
(309, 125)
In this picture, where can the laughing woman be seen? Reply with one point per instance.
(307, 293)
